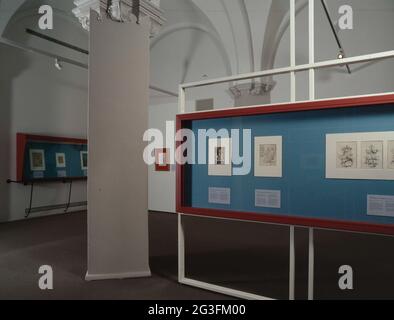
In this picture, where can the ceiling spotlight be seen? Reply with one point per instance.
(58, 65)
(341, 55)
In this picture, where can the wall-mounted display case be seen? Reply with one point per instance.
(47, 158)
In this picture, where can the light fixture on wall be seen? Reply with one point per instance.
(58, 65)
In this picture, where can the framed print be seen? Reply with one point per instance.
(372, 154)
(390, 154)
(219, 157)
(60, 160)
(363, 156)
(268, 156)
(84, 160)
(162, 159)
(346, 155)
(37, 160)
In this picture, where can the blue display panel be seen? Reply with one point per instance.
(305, 192)
(73, 165)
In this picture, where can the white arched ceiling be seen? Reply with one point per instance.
(7, 10)
(230, 19)
(186, 26)
(66, 28)
(277, 23)
(190, 46)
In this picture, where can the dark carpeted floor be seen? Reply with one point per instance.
(245, 256)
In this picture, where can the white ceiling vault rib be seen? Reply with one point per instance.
(232, 26)
(248, 27)
(277, 23)
(232, 33)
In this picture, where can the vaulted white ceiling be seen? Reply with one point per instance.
(208, 38)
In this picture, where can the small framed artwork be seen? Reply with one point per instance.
(60, 160)
(346, 155)
(219, 157)
(37, 160)
(268, 157)
(84, 160)
(390, 154)
(372, 154)
(162, 159)
(360, 155)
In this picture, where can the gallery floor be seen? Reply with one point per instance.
(243, 256)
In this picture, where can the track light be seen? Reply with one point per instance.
(58, 65)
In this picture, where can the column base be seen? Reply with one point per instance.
(117, 276)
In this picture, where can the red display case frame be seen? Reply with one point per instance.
(363, 227)
(21, 141)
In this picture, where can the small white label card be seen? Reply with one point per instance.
(62, 174)
(38, 174)
(380, 206)
(268, 198)
(219, 195)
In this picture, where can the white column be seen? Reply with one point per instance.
(118, 116)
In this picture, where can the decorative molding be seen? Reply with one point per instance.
(121, 11)
(82, 11)
(253, 89)
(151, 10)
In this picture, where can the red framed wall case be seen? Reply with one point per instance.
(165, 167)
(21, 141)
(363, 227)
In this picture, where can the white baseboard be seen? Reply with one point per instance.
(125, 275)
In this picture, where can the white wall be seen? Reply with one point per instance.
(36, 98)
(161, 190)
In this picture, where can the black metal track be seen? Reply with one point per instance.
(334, 31)
(59, 42)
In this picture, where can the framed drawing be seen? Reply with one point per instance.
(390, 154)
(162, 159)
(37, 160)
(84, 160)
(60, 160)
(268, 156)
(372, 154)
(346, 155)
(362, 156)
(219, 157)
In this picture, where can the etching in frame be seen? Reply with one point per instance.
(372, 151)
(268, 156)
(219, 157)
(390, 154)
(84, 160)
(37, 160)
(60, 160)
(346, 155)
(372, 155)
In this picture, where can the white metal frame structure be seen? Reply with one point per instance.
(291, 70)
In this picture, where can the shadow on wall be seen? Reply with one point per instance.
(14, 62)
